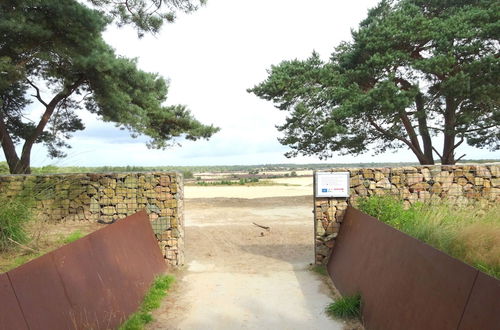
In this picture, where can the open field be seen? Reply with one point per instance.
(285, 187)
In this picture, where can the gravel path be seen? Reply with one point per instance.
(240, 276)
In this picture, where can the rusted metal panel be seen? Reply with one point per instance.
(483, 308)
(11, 316)
(129, 259)
(404, 283)
(41, 295)
(93, 283)
(94, 305)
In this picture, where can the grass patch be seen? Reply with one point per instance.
(76, 235)
(468, 233)
(320, 269)
(347, 307)
(14, 215)
(151, 301)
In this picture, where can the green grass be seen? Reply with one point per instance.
(14, 215)
(151, 301)
(468, 233)
(76, 235)
(21, 260)
(320, 269)
(347, 307)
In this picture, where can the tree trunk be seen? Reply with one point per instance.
(413, 142)
(9, 150)
(424, 129)
(448, 157)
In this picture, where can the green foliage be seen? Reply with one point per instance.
(150, 302)
(347, 307)
(57, 46)
(146, 15)
(187, 174)
(4, 168)
(48, 169)
(14, 214)
(415, 69)
(470, 234)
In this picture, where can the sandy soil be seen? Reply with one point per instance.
(300, 181)
(240, 276)
(299, 186)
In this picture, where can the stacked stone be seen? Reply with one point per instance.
(108, 197)
(459, 184)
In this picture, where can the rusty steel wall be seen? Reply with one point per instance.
(92, 283)
(483, 308)
(11, 316)
(406, 284)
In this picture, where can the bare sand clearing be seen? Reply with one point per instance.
(240, 276)
(306, 181)
(300, 186)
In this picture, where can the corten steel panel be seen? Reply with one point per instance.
(93, 283)
(11, 316)
(483, 308)
(129, 259)
(404, 283)
(41, 294)
(94, 305)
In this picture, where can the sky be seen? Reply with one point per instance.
(210, 58)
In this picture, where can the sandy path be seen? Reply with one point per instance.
(238, 279)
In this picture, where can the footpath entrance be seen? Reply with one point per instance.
(241, 276)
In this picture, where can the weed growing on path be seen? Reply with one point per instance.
(320, 269)
(151, 301)
(347, 307)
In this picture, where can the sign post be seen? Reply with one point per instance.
(332, 184)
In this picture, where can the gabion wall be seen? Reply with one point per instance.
(108, 198)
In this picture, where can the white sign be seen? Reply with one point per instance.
(332, 184)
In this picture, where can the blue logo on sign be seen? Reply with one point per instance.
(324, 190)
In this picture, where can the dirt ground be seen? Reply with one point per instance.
(241, 276)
